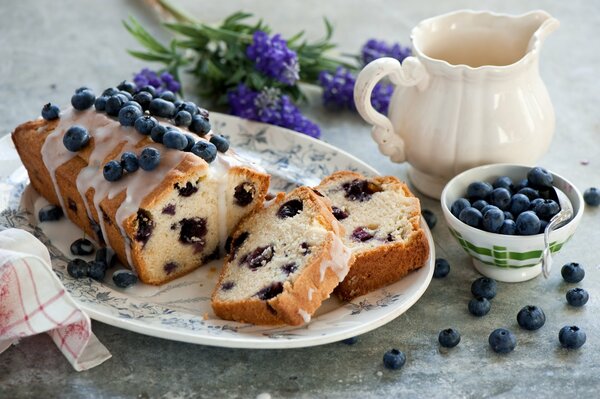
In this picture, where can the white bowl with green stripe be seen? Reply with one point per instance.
(506, 257)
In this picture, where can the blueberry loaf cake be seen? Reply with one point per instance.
(284, 260)
(381, 219)
(163, 197)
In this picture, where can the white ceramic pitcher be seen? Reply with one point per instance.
(470, 95)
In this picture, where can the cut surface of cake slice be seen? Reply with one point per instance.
(284, 260)
(381, 218)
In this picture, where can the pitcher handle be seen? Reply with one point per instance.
(410, 73)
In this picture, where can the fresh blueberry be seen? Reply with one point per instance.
(493, 219)
(188, 106)
(591, 196)
(449, 338)
(530, 193)
(546, 209)
(531, 318)
(484, 287)
(479, 190)
(503, 182)
(500, 197)
(471, 216)
(508, 216)
(127, 86)
(459, 205)
(127, 95)
(571, 337)
(82, 246)
(149, 89)
(572, 272)
(129, 162)
(527, 223)
(157, 133)
(182, 118)
(128, 114)
(145, 124)
(519, 203)
(178, 104)
(168, 95)
(394, 359)
(220, 142)
(479, 306)
(350, 341)
(442, 268)
(520, 185)
(124, 278)
(539, 177)
(112, 170)
(162, 108)
(50, 112)
(502, 340)
(97, 270)
(577, 297)
(111, 91)
(190, 142)
(100, 103)
(114, 104)
(535, 203)
(509, 227)
(50, 213)
(149, 158)
(199, 125)
(106, 256)
(480, 204)
(487, 208)
(429, 217)
(143, 98)
(175, 139)
(83, 99)
(135, 104)
(543, 225)
(78, 268)
(205, 150)
(76, 138)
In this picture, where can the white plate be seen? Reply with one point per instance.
(180, 310)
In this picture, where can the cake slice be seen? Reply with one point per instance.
(381, 218)
(284, 260)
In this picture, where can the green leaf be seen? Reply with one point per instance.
(143, 37)
(189, 30)
(150, 56)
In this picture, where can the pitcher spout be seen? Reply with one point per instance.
(542, 24)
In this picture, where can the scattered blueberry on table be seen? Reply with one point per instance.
(442, 268)
(350, 341)
(484, 287)
(394, 359)
(50, 213)
(479, 306)
(577, 297)
(124, 278)
(78, 268)
(591, 196)
(571, 337)
(429, 217)
(502, 340)
(449, 338)
(97, 270)
(531, 318)
(82, 246)
(572, 272)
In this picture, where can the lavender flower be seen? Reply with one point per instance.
(273, 57)
(374, 49)
(270, 106)
(338, 91)
(161, 83)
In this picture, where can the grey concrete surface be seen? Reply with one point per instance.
(47, 49)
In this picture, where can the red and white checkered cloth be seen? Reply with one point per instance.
(33, 300)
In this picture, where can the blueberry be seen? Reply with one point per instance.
(244, 193)
(188, 106)
(479, 190)
(527, 223)
(480, 204)
(112, 170)
(124, 278)
(157, 133)
(149, 158)
(539, 177)
(200, 125)
(127, 86)
(509, 227)
(479, 306)
(484, 287)
(442, 268)
(591, 196)
(394, 359)
(471, 216)
(175, 139)
(449, 338)
(543, 224)
(572, 272)
(143, 98)
(106, 256)
(168, 95)
(459, 205)
(270, 291)
(111, 91)
(162, 108)
(182, 118)
(114, 104)
(128, 114)
(577, 297)
(83, 99)
(76, 138)
(50, 112)
(350, 341)
(129, 162)
(519, 203)
(487, 208)
(531, 318)
(82, 246)
(205, 150)
(503, 182)
(290, 209)
(50, 213)
(361, 234)
(535, 203)
(530, 193)
(508, 216)
(500, 197)
(100, 103)
(145, 124)
(148, 89)
(125, 95)
(220, 142)
(502, 340)
(546, 209)
(78, 268)
(493, 219)
(97, 270)
(520, 185)
(190, 142)
(571, 337)
(429, 217)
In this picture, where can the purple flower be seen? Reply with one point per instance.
(270, 106)
(161, 83)
(374, 49)
(273, 57)
(338, 91)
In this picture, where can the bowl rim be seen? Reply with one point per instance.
(509, 238)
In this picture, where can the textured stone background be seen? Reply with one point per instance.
(47, 49)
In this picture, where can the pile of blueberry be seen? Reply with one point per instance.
(506, 207)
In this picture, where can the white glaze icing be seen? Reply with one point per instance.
(305, 315)
(339, 260)
(310, 293)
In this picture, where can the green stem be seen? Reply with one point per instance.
(178, 13)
